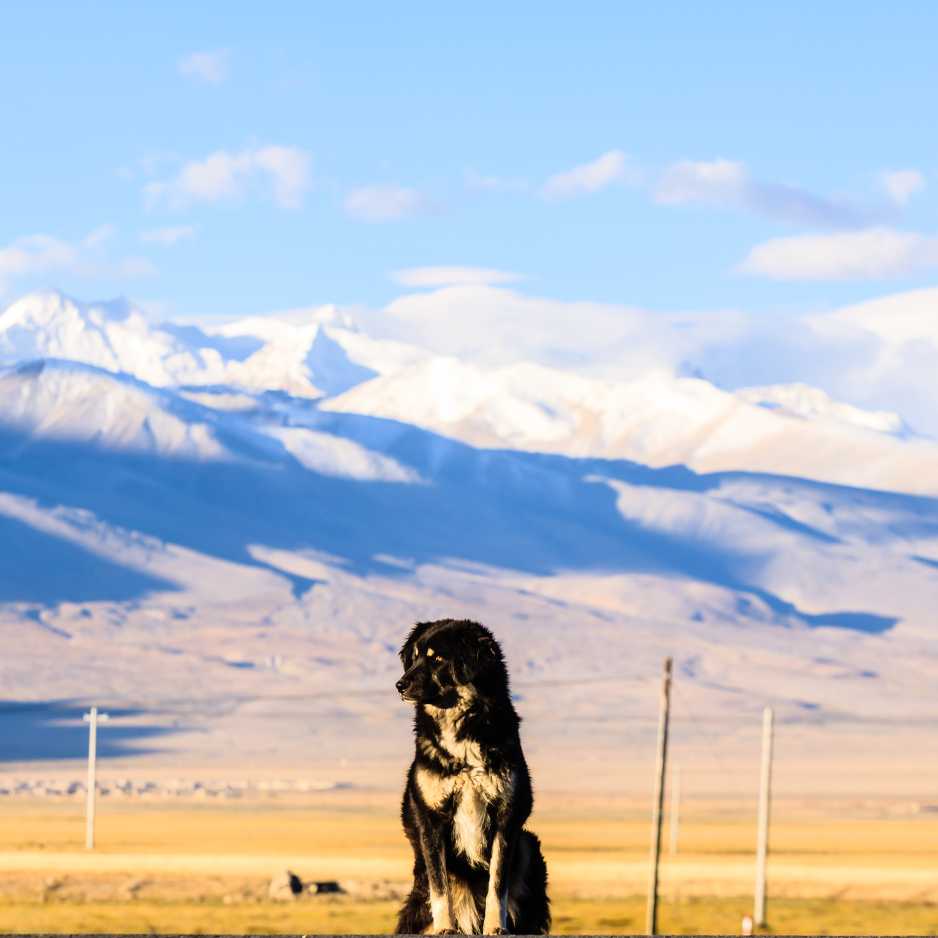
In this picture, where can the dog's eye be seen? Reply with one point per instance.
(429, 652)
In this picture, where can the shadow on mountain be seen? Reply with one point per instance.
(51, 730)
(237, 348)
(535, 513)
(38, 567)
(332, 370)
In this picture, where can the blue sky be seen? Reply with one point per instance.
(234, 158)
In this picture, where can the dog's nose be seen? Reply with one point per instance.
(400, 686)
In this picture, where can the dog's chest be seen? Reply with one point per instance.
(475, 794)
(472, 793)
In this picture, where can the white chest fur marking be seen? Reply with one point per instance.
(471, 821)
(472, 791)
(474, 788)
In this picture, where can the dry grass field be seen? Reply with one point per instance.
(205, 867)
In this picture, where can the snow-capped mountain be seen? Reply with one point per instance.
(655, 418)
(114, 336)
(308, 353)
(64, 400)
(658, 419)
(256, 509)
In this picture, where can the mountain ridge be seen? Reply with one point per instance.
(226, 545)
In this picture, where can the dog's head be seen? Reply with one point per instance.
(449, 661)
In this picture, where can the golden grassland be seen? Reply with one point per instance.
(204, 867)
(694, 916)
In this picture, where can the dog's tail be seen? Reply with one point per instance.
(529, 906)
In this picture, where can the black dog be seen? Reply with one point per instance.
(468, 791)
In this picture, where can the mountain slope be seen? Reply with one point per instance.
(657, 419)
(215, 551)
(358, 488)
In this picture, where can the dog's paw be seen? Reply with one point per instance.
(446, 931)
(489, 929)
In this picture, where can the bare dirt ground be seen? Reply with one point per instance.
(835, 867)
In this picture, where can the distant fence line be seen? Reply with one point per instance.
(135, 788)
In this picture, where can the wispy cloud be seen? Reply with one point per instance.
(225, 175)
(167, 236)
(901, 184)
(98, 236)
(499, 325)
(209, 66)
(728, 184)
(384, 203)
(713, 181)
(43, 254)
(604, 171)
(869, 254)
(478, 182)
(452, 276)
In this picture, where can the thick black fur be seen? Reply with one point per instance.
(468, 791)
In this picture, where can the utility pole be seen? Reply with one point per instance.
(765, 791)
(674, 820)
(92, 718)
(661, 766)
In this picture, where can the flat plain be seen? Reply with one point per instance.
(836, 867)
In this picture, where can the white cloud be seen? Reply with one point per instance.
(36, 254)
(99, 236)
(898, 335)
(384, 203)
(167, 236)
(902, 184)
(125, 267)
(288, 168)
(605, 170)
(497, 325)
(210, 67)
(452, 276)
(869, 254)
(881, 355)
(477, 182)
(41, 255)
(225, 175)
(716, 181)
(729, 184)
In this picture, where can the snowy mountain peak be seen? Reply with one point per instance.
(114, 336)
(303, 352)
(327, 315)
(809, 403)
(68, 401)
(656, 418)
(58, 312)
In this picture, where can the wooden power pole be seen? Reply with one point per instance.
(765, 794)
(660, 768)
(674, 814)
(92, 718)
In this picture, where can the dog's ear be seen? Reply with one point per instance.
(407, 649)
(479, 657)
(487, 652)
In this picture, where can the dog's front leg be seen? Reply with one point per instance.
(496, 899)
(434, 858)
(441, 908)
